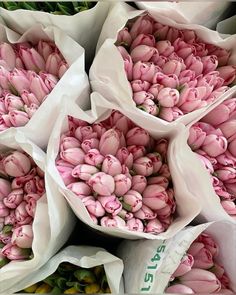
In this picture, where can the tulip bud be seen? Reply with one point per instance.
(13, 252)
(114, 221)
(93, 157)
(17, 164)
(74, 156)
(179, 289)
(135, 224)
(111, 165)
(23, 236)
(7, 54)
(132, 201)
(185, 265)
(122, 184)
(155, 197)
(102, 183)
(143, 166)
(154, 226)
(5, 188)
(80, 188)
(111, 204)
(142, 53)
(124, 38)
(139, 183)
(109, 142)
(32, 59)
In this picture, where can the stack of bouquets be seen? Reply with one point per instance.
(172, 72)
(120, 173)
(28, 73)
(198, 271)
(213, 139)
(21, 186)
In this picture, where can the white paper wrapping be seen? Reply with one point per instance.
(84, 27)
(187, 206)
(107, 74)
(53, 221)
(83, 256)
(155, 261)
(227, 26)
(199, 181)
(207, 13)
(74, 82)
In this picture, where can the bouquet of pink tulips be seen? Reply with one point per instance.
(213, 139)
(28, 73)
(21, 185)
(119, 172)
(198, 271)
(172, 72)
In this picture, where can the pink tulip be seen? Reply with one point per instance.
(125, 157)
(31, 206)
(160, 30)
(170, 80)
(145, 213)
(49, 80)
(95, 208)
(144, 71)
(156, 161)
(160, 180)
(139, 183)
(14, 198)
(226, 159)
(185, 265)
(142, 53)
(149, 107)
(93, 157)
(172, 67)
(228, 73)
(168, 97)
(99, 129)
(225, 174)
(196, 137)
(19, 80)
(210, 63)
(111, 204)
(114, 221)
(52, 63)
(13, 252)
(162, 147)
(4, 211)
(143, 166)
(135, 224)
(132, 201)
(23, 236)
(94, 218)
(7, 54)
(201, 281)
(22, 216)
(143, 39)
(219, 115)
(143, 25)
(16, 164)
(32, 59)
(120, 122)
(45, 48)
(192, 99)
(69, 142)
(228, 129)
(154, 90)
(137, 151)
(164, 48)
(203, 259)
(109, 142)
(31, 110)
(111, 165)
(124, 38)
(229, 207)
(122, 184)
(37, 86)
(128, 63)
(209, 243)
(154, 226)
(5, 188)
(80, 188)
(155, 197)
(29, 98)
(165, 171)
(231, 188)
(194, 63)
(137, 135)
(186, 76)
(63, 67)
(84, 171)
(74, 156)
(139, 85)
(85, 132)
(214, 145)
(13, 102)
(179, 289)
(102, 183)
(18, 118)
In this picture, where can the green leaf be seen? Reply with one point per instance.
(64, 9)
(7, 228)
(56, 290)
(85, 276)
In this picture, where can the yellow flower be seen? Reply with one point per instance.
(44, 288)
(72, 290)
(92, 289)
(31, 289)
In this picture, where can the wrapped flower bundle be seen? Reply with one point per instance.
(213, 139)
(72, 279)
(172, 72)
(21, 185)
(28, 73)
(119, 172)
(199, 271)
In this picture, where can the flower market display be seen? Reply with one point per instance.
(117, 148)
